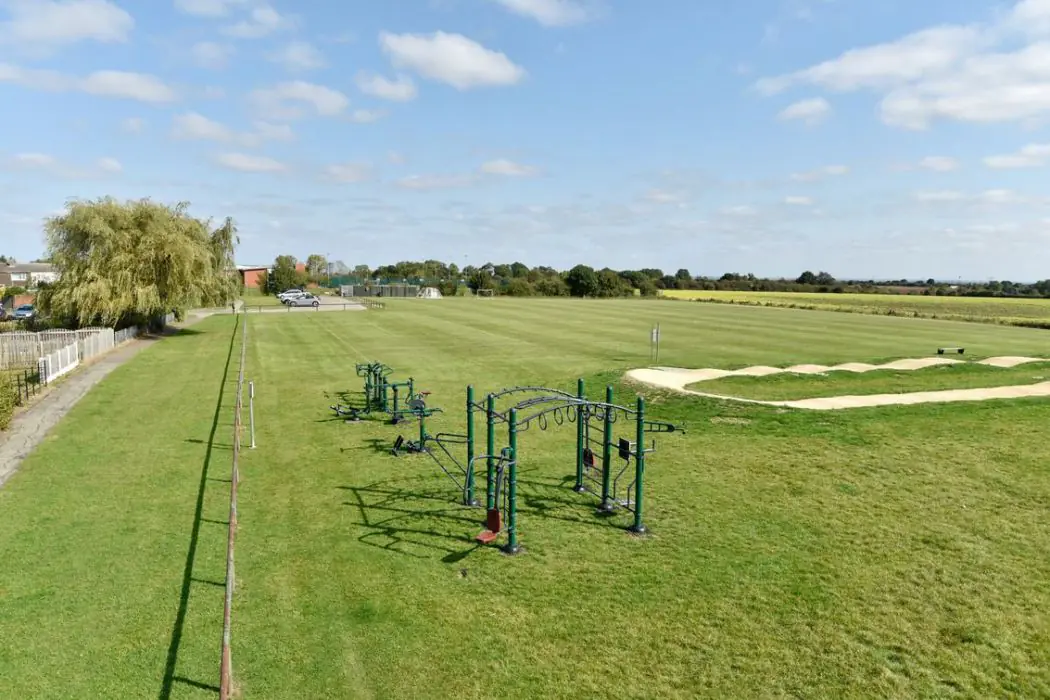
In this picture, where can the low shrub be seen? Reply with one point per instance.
(8, 396)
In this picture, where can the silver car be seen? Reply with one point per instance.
(304, 300)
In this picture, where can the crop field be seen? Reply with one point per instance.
(1021, 312)
(892, 552)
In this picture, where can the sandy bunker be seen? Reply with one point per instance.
(677, 379)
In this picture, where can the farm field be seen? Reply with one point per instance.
(980, 309)
(898, 552)
(789, 386)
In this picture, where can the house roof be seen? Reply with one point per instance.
(28, 267)
(253, 267)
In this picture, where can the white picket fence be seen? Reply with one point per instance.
(61, 361)
(23, 349)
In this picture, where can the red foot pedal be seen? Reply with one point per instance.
(494, 520)
(487, 537)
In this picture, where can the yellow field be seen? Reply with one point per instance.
(1021, 312)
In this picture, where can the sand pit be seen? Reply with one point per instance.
(677, 379)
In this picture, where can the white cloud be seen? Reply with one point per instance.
(366, 116)
(952, 72)
(196, 127)
(1033, 155)
(662, 197)
(299, 56)
(46, 24)
(450, 58)
(820, 173)
(56, 168)
(400, 90)
(812, 111)
(739, 210)
(133, 125)
(274, 101)
(208, 8)
(436, 182)
(273, 132)
(396, 158)
(109, 165)
(350, 172)
(939, 196)
(210, 54)
(263, 21)
(508, 168)
(132, 86)
(797, 201)
(250, 164)
(550, 13)
(939, 164)
(33, 160)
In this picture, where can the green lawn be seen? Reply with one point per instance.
(789, 387)
(896, 552)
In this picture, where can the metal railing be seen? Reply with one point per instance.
(28, 383)
(226, 665)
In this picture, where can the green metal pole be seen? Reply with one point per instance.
(490, 448)
(422, 430)
(394, 416)
(368, 391)
(411, 389)
(638, 527)
(607, 505)
(512, 487)
(469, 497)
(578, 488)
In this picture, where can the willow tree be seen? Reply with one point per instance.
(135, 260)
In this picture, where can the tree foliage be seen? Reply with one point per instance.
(123, 262)
(284, 275)
(316, 265)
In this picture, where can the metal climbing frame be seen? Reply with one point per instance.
(624, 489)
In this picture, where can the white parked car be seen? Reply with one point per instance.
(290, 294)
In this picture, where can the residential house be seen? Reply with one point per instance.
(28, 275)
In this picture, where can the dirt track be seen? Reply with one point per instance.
(677, 379)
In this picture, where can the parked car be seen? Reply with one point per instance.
(294, 294)
(304, 300)
(24, 312)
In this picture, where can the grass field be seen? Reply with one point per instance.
(1019, 312)
(898, 552)
(789, 386)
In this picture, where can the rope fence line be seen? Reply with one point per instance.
(226, 665)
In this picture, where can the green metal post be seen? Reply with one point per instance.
(512, 487)
(469, 496)
(411, 390)
(490, 448)
(607, 505)
(368, 392)
(422, 430)
(638, 527)
(580, 417)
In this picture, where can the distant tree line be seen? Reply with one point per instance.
(518, 279)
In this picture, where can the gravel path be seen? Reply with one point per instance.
(30, 427)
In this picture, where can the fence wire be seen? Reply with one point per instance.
(226, 665)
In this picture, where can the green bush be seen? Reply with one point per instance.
(7, 400)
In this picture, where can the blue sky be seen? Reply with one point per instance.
(895, 138)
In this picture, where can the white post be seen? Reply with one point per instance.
(251, 411)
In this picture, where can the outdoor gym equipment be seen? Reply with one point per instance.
(613, 487)
(384, 396)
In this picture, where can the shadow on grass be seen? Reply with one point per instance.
(402, 517)
(187, 574)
